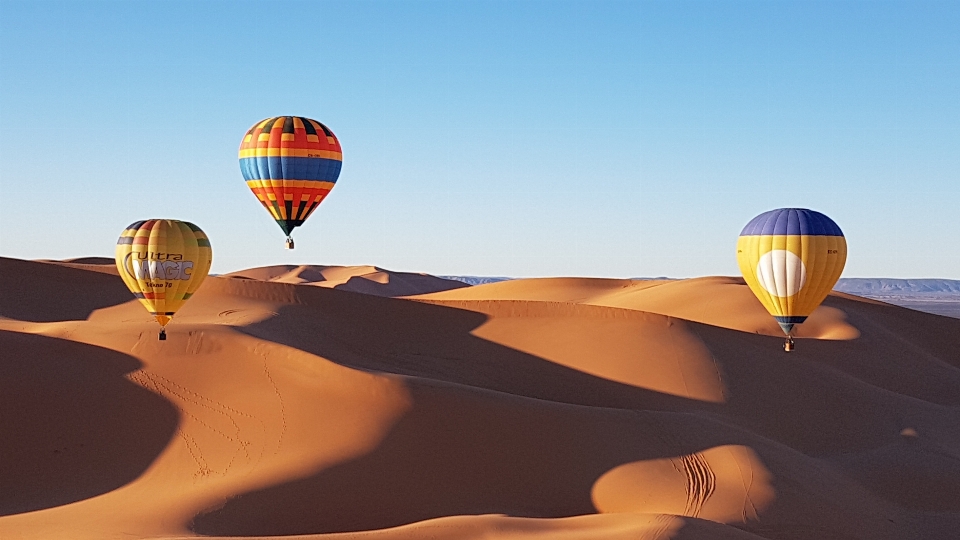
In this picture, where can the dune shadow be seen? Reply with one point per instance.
(398, 284)
(495, 430)
(469, 455)
(461, 449)
(435, 342)
(73, 427)
(44, 292)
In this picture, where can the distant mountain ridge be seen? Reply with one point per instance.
(898, 287)
(477, 280)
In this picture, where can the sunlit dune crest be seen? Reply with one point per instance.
(285, 402)
(717, 301)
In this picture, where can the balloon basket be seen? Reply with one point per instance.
(788, 344)
(163, 334)
(289, 243)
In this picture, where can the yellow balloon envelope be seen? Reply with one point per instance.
(163, 262)
(791, 258)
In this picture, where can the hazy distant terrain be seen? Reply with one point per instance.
(911, 287)
(477, 280)
(938, 296)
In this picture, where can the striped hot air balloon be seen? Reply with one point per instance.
(163, 262)
(290, 163)
(791, 258)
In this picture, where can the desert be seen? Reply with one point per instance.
(529, 408)
(480, 270)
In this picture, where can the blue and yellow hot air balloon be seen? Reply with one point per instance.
(791, 258)
(290, 163)
(163, 262)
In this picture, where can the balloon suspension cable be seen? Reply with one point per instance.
(788, 344)
(289, 243)
(163, 334)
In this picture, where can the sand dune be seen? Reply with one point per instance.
(96, 264)
(555, 408)
(717, 301)
(361, 279)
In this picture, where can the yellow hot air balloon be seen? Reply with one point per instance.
(163, 262)
(791, 258)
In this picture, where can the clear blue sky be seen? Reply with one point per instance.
(491, 138)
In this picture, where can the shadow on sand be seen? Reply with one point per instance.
(465, 447)
(31, 289)
(73, 427)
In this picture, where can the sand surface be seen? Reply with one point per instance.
(361, 279)
(358, 403)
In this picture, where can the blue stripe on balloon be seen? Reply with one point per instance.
(292, 168)
(792, 221)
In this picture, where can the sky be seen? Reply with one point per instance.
(500, 138)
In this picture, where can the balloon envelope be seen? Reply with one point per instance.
(791, 258)
(290, 163)
(163, 262)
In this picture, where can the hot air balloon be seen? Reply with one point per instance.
(290, 163)
(163, 262)
(791, 258)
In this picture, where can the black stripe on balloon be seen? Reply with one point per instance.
(284, 227)
(256, 131)
(326, 131)
(789, 320)
(269, 125)
(309, 210)
(288, 206)
(308, 126)
(299, 213)
(288, 124)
